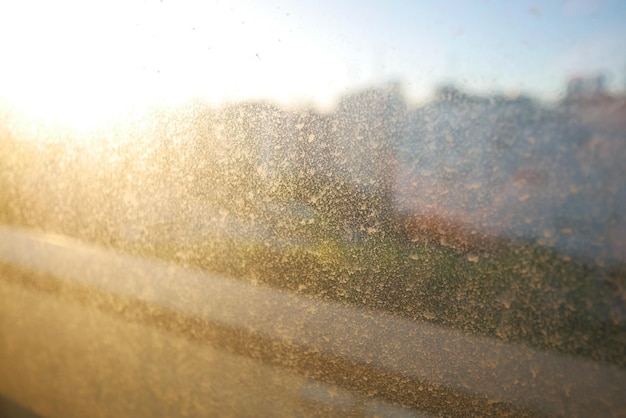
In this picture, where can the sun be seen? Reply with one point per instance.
(85, 64)
(62, 64)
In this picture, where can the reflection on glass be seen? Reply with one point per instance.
(458, 174)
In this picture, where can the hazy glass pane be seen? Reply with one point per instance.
(455, 168)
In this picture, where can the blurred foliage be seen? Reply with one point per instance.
(290, 200)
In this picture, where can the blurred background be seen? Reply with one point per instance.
(460, 163)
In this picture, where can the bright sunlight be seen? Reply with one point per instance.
(83, 64)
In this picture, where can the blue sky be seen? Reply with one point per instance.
(481, 45)
(80, 60)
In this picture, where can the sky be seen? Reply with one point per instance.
(82, 61)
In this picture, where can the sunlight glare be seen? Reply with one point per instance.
(83, 64)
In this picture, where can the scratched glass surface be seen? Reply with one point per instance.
(313, 209)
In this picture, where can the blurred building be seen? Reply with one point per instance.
(586, 87)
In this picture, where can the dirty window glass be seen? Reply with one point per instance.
(296, 208)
